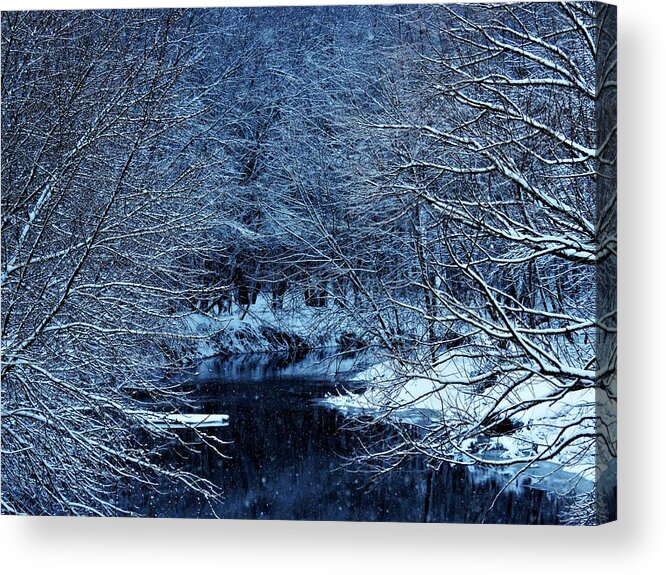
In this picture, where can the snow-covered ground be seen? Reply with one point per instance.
(540, 414)
(259, 328)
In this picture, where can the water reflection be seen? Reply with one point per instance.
(288, 457)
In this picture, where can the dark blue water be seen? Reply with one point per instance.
(290, 457)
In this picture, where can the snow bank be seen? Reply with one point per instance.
(259, 328)
(533, 415)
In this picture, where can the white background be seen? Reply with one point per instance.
(635, 544)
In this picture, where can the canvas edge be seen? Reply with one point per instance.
(606, 270)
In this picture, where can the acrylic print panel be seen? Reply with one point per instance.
(317, 263)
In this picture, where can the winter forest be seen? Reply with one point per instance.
(339, 263)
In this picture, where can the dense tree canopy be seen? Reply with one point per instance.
(441, 177)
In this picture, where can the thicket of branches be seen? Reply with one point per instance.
(477, 227)
(107, 200)
(432, 173)
(498, 162)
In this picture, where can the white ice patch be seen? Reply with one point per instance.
(187, 420)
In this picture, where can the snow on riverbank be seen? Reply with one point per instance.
(261, 327)
(533, 417)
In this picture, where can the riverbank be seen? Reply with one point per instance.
(446, 398)
(293, 328)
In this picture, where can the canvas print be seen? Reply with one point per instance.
(341, 263)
